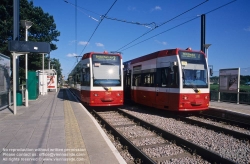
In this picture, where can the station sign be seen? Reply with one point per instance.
(28, 47)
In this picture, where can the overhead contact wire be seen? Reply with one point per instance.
(179, 25)
(163, 24)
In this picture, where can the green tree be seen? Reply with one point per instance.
(42, 30)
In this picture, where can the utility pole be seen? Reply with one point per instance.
(77, 58)
(203, 32)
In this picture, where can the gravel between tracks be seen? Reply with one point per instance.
(227, 146)
(149, 142)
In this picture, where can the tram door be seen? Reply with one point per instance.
(161, 89)
(127, 85)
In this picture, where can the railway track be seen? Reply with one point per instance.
(149, 143)
(233, 146)
(227, 116)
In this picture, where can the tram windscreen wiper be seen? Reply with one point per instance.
(194, 87)
(104, 87)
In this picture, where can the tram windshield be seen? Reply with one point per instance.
(194, 70)
(106, 70)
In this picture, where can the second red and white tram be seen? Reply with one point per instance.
(173, 79)
(98, 79)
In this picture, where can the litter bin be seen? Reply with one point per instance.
(19, 98)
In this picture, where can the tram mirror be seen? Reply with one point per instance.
(211, 71)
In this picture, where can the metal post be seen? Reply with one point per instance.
(203, 31)
(219, 96)
(49, 64)
(16, 37)
(26, 24)
(238, 90)
(14, 82)
(43, 76)
(26, 72)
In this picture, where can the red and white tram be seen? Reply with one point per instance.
(98, 79)
(173, 79)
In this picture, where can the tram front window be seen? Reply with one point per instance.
(108, 75)
(194, 70)
(197, 78)
(106, 71)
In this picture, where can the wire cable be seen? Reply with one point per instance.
(106, 17)
(176, 26)
(163, 24)
(98, 25)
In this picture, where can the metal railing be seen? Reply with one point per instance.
(244, 97)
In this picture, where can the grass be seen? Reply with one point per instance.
(246, 88)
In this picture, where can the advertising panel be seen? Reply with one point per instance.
(4, 73)
(229, 80)
(51, 81)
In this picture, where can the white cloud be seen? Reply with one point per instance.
(162, 43)
(131, 8)
(99, 44)
(247, 29)
(71, 55)
(83, 43)
(156, 8)
(72, 42)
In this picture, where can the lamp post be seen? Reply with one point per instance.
(206, 46)
(26, 24)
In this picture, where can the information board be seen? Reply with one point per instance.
(229, 80)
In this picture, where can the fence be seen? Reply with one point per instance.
(242, 97)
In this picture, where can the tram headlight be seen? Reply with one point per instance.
(206, 97)
(95, 94)
(118, 94)
(185, 97)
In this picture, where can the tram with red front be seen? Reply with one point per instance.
(97, 79)
(172, 79)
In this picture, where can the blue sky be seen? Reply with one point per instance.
(227, 29)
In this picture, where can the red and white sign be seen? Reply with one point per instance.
(51, 82)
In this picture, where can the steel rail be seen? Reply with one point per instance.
(142, 157)
(233, 133)
(228, 116)
(205, 153)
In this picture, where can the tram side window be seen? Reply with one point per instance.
(137, 80)
(78, 79)
(173, 77)
(164, 75)
(86, 77)
(74, 79)
(148, 79)
(167, 78)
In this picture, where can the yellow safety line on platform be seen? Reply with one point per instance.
(73, 137)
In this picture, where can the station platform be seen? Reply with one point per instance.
(240, 109)
(55, 128)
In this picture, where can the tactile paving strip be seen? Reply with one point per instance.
(74, 142)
